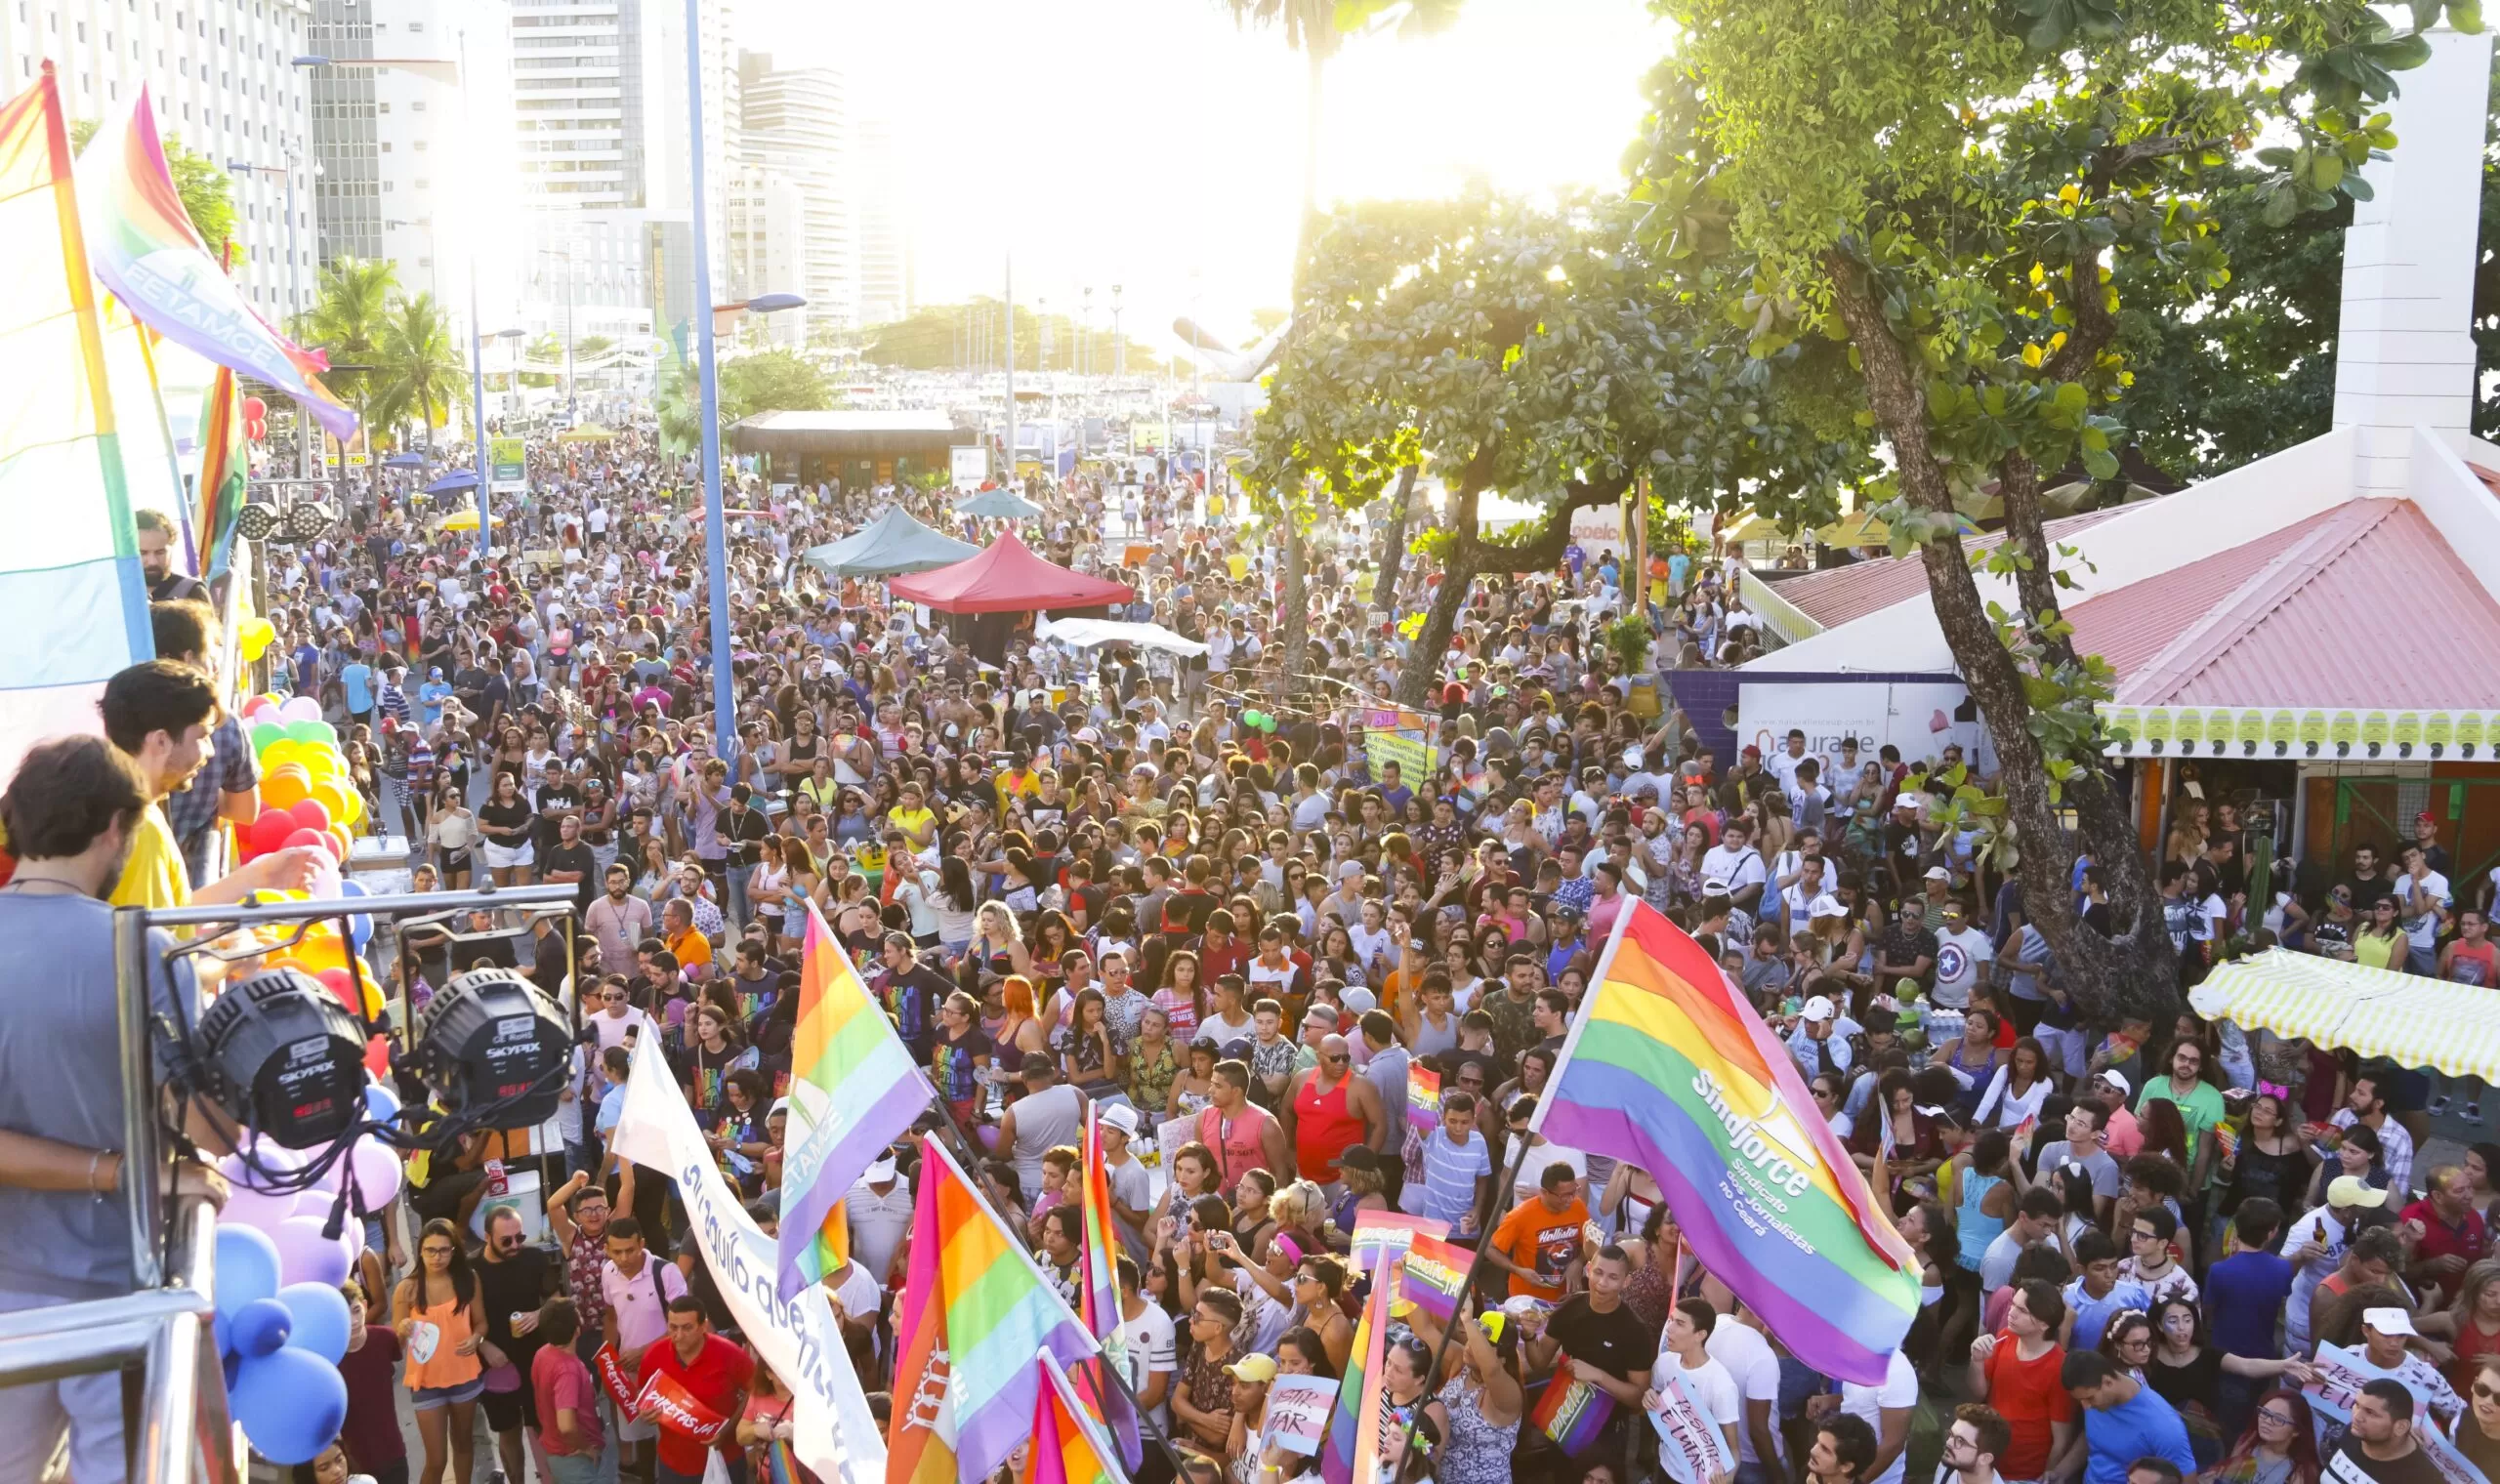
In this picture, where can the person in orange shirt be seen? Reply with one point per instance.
(692, 949)
(1538, 1244)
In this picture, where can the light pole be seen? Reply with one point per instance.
(1011, 370)
(294, 294)
(1119, 346)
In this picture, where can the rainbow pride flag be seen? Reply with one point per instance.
(1351, 1452)
(1099, 1298)
(853, 1091)
(1572, 1412)
(73, 600)
(143, 246)
(974, 1314)
(1435, 1276)
(1669, 1068)
(222, 469)
(1067, 1449)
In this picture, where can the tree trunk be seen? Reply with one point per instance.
(1392, 555)
(2132, 971)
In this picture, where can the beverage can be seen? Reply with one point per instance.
(496, 1183)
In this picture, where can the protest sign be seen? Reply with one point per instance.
(1380, 1234)
(680, 1412)
(1435, 1276)
(1297, 1408)
(1691, 1447)
(1423, 1098)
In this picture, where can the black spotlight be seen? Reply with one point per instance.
(279, 1053)
(490, 1038)
(257, 520)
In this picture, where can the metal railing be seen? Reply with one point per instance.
(182, 1431)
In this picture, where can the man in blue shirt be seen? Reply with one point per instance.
(2244, 1295)
(2099, 1292)
(357, 677)
(2123, 1419)
(431, 694)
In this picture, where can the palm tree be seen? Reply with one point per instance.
(418, 369)
(1317, 28)
(345, 323)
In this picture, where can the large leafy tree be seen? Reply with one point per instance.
(767, 381)
(1965, 192)
(1533, 352)
(418, 371)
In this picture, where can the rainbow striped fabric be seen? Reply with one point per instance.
(974, 1314)
(1669, 1067)
(1067, 1449)
(853, 1091)
(1351, 1452)
(1099, 1298)
(72, 598)
(1433, 1274)
(143, 247)
(222, 469)
(1572, 1412)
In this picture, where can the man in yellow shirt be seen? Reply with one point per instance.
(162, 712)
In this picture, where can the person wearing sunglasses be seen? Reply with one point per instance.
(513, 1283)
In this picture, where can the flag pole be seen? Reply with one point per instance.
(1146, 1423)
(1518, 1160)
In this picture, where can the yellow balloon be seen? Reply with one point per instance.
(254, 638)
(351, 806)
(283, 752)
(322, 761)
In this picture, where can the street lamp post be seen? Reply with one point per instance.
(1119, 346)
(294, 294)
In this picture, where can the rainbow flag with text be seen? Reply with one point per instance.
(1669, 1067)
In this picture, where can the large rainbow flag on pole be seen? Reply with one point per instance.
(73, 602)
(853, 1091)
(1668, 1067)
(143, 247)
(1067, 1449)
(974, 1314)
(1098, 1299)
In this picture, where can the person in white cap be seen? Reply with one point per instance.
(880, 1210)
(1132, 1190)
(2384, 1355)
(1820, 1040)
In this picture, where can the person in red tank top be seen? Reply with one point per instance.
(1328, 1110)
(1240, 1134)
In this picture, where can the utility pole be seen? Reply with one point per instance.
(1119, 342)
(1011, 370)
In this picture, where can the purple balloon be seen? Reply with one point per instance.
(305, 1255)
(246, 1207)
(269, 1155)
(378, 1171)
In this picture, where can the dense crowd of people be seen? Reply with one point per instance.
(1142, 881)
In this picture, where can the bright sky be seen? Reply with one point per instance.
(1152, 144)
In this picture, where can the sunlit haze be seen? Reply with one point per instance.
(1153, 143)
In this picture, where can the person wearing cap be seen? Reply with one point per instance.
(2124, 1138)
(2316, 1245)
(1132, 1190)
(880, 1209)
(1823, 1039)
(1250, 1377)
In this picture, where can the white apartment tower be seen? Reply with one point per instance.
(791, 222)
(222, 75)
(884, 217)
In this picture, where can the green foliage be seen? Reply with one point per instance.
(1539, 353)
(765, 381)
(420, 372)
(936, 336)
(351, 308)
(206, 189)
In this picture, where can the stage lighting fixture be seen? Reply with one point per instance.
(280, 1054)
(489, 1039)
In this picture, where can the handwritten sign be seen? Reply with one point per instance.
(1423, 1098)
(1382, 1234)
(1298, 1411)
(1692, 1448)
(2453, 1466)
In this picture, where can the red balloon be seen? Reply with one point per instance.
(311, 814)
(342, 984)
(377, 1055)
(255, 409)
(309, 838)
(269, 832)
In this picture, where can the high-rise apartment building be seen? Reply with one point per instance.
(791, 212)
(220, 75)
(883, 213)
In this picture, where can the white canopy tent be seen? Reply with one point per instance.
(1088, 632)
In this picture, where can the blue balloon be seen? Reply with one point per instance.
(360, 926)
(247, 1267)
(290, 1403)
(380, 1102)
(260, 1326)
(321, 1319)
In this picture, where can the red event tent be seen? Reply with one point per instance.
(1006, 578)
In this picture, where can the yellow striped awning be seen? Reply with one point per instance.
(2406, 1018)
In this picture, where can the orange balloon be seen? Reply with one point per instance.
(286, 787)
(331, 796)
(346, 841)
